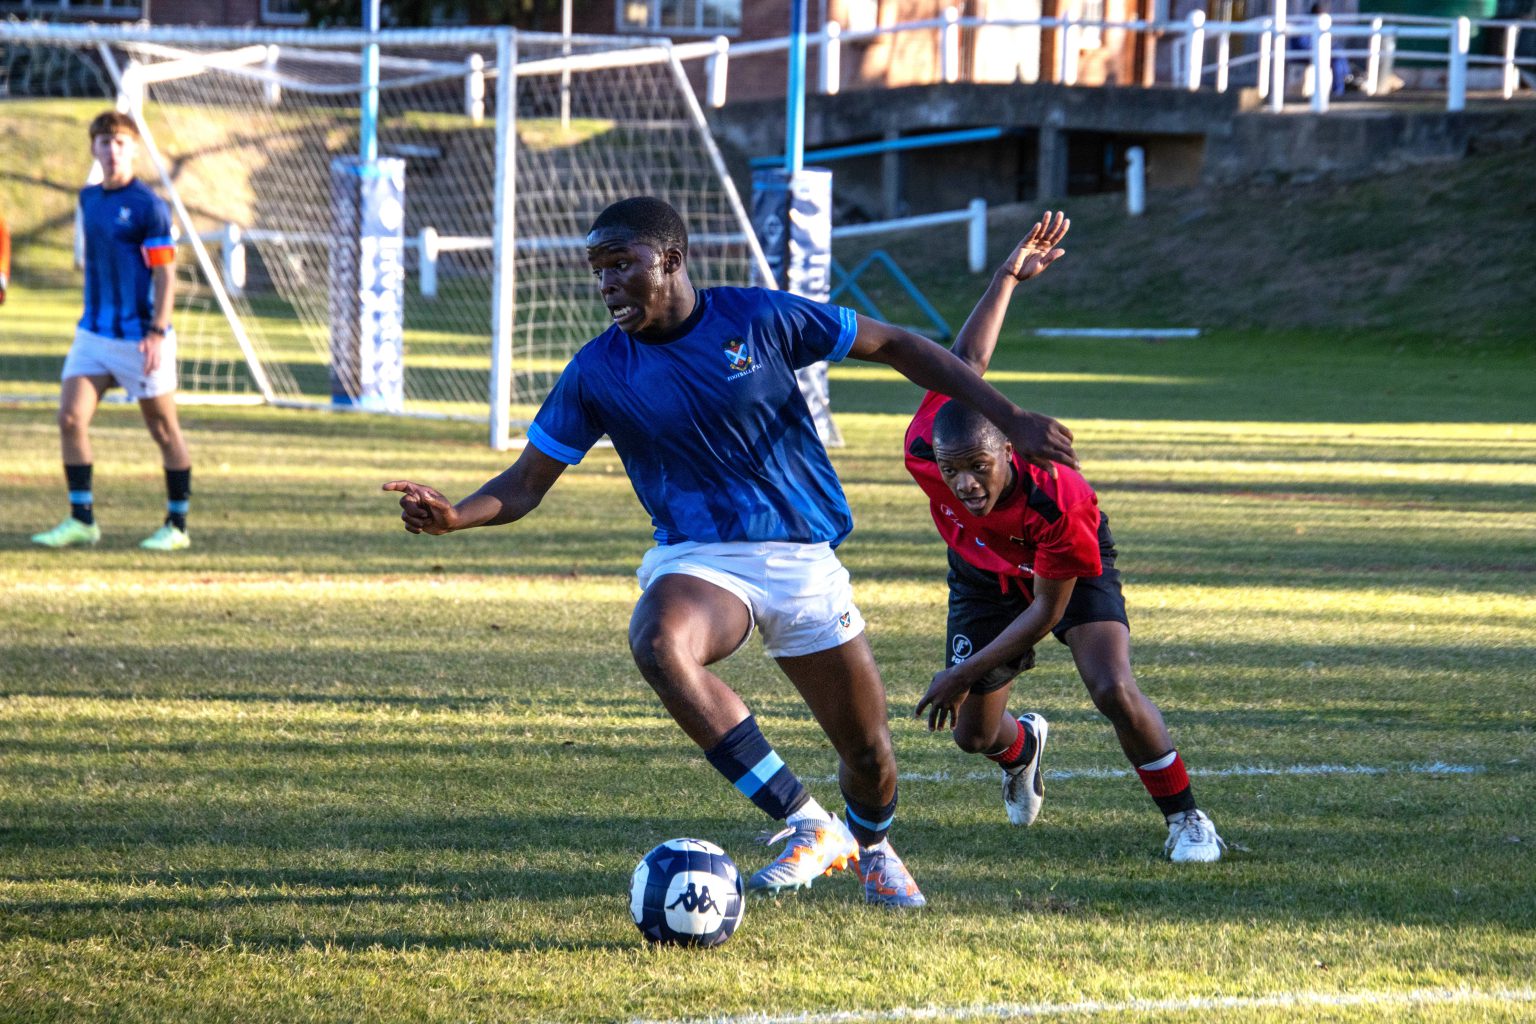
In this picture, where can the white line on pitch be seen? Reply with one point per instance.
(1414, 997)
(1425, 768)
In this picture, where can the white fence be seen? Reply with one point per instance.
(1372, 39)
(429, 244)
(1283, 42)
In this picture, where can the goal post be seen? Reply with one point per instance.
(511, 143)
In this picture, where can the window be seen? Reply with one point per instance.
(679, 17)
(1092, 36)
(283, 12)
(81, 8)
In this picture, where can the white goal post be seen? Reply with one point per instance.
(498, 176)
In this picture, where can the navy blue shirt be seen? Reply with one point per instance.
(717, 440)
(127, 230)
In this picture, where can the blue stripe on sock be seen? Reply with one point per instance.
(873, 826)
(758, 775)
(178, 507)
(80, 497)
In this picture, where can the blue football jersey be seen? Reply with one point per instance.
(717, 440)
(127, 230)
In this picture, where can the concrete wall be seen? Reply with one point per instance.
(1061, 140)
(1261, 147)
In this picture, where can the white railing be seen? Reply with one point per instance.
(429, 244)
(1372, 39)
(974, 217)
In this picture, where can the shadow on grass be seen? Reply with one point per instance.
(486, 678)
(1307, 869)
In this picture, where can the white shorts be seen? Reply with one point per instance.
(797, 594)
(96, 355)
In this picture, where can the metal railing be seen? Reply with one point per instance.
(429, 244)
(1370, 38)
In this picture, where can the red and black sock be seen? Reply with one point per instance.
(1019, 751)
(1168, 783)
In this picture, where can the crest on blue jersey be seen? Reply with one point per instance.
(737, 356)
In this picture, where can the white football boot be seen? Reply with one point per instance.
(1193, 839)
(816, 847)
(1024, 786)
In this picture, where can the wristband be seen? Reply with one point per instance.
(155, 330)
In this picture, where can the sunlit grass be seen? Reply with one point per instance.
(317, 768)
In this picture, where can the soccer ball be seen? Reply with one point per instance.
(686, 892)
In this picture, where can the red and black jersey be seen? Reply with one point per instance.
(1046, 527)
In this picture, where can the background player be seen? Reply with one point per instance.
(1030, 553)
(5, 260)
(124, 337)
(697, 390)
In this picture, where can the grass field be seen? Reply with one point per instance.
(318, 769)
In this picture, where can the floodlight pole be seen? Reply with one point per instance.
(794, 115)
(368, 142)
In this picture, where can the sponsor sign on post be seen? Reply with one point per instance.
(792, 215)
(367, 283)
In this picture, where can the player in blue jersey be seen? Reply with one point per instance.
(124, 337)
(697, 391)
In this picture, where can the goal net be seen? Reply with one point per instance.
(499, 176)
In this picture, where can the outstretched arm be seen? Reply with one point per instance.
(1037, 438)
(950, 688)
(1030, 258)
(504, 499)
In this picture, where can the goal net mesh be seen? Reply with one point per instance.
(246, 133)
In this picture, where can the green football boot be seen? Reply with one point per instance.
(68, 534)
(167, 538)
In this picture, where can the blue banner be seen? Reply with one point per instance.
(792, 215)
(367, 283)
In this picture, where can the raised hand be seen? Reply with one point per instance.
(424, 509)
(1041, 440)
(1039, 249)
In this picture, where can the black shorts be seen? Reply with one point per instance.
(982, 604)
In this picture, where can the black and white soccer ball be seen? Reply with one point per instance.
(686, 892)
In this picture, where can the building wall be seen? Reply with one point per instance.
(1119, 57)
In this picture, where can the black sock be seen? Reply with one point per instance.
(178, 491)
(80, 498)
(868, 823)
(746, 760)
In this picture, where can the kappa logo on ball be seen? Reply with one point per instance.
(686, 892)
(696, 900)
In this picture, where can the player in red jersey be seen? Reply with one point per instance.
(1030, 554)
